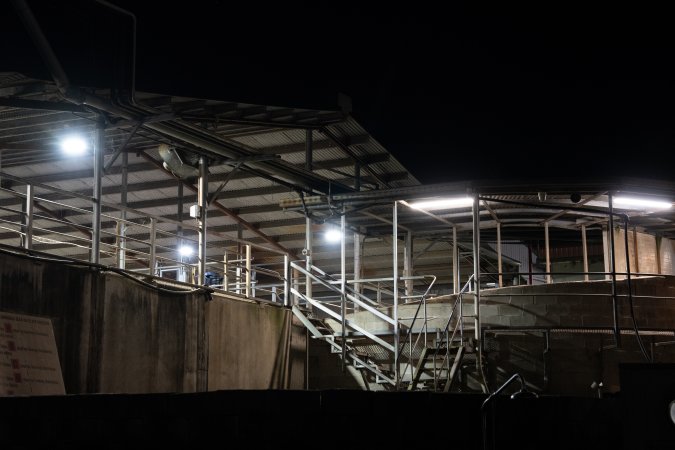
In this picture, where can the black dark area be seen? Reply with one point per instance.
(455, 91)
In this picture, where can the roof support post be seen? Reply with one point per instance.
(122, 243)
(309, 243)
(28, 241)
(548, 254)
(394, 244)
(202, 199)
(343, 287)
(584, 249)
(612, 269)
(408, 265)
(499, 254)
(99, 144)
(455, 262)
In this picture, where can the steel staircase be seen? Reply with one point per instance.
(409, 355)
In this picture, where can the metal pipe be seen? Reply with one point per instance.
(248, 271)
(225, 210)
(476, 268)
(455, 262)
(46, 52)
(357, 264)
(28, 242)
(476, 277)
(287, 281)
(548, 254)
(499, 253)
(122, 245)
(343, 290)
(202, 202)
(584, 248)
(612, 262)
(394, 244)
(99, 144)
(226, 278)
(408, 264)
(308, 256)
(153, 235)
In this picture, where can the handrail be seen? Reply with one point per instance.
(425, 327)
(523, 392)
(459, 324)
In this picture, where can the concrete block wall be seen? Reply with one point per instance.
(114, 335)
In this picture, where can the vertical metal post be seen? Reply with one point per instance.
(122, 232)
(455, 262)
(308, 258)
(287, 281)
(529, 263)
(612, 262)
(343, 285)
(394, 245)
(476, 276)
(99, 144)
(357, 264)
(408, 265)
(202, 201)
(248, 271)
(548, 254)
(584, 249)
(179, 230)
(153, 249)
(238, 259)
(28, 242)
(635, 249)
(226, 278)
(499, 254)
(476, 267)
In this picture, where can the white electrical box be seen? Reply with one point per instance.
(195, 211)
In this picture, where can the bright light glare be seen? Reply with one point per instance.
(444, 203)
(333, 235)
(185, 251)
(641, 203)
(74, 145)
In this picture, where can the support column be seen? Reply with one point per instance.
(343, 286)
(476, 267)
(248, 271)
(122, 242)
(99, 144)
(357, 262)
(548, 254)
(455, 262)
(179, 231)
(202, 196)
(309, 243)
(28, 241)
(584, 249)
(612, 266)
(408, 265)
(499, 254)
(152, 262)
(394, 245)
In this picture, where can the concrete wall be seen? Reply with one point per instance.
(115, 335)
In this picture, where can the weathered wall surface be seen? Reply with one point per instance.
(253, 346)
(115, 335)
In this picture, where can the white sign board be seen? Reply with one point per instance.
(29, 362)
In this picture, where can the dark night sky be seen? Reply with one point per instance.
(457, 93)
